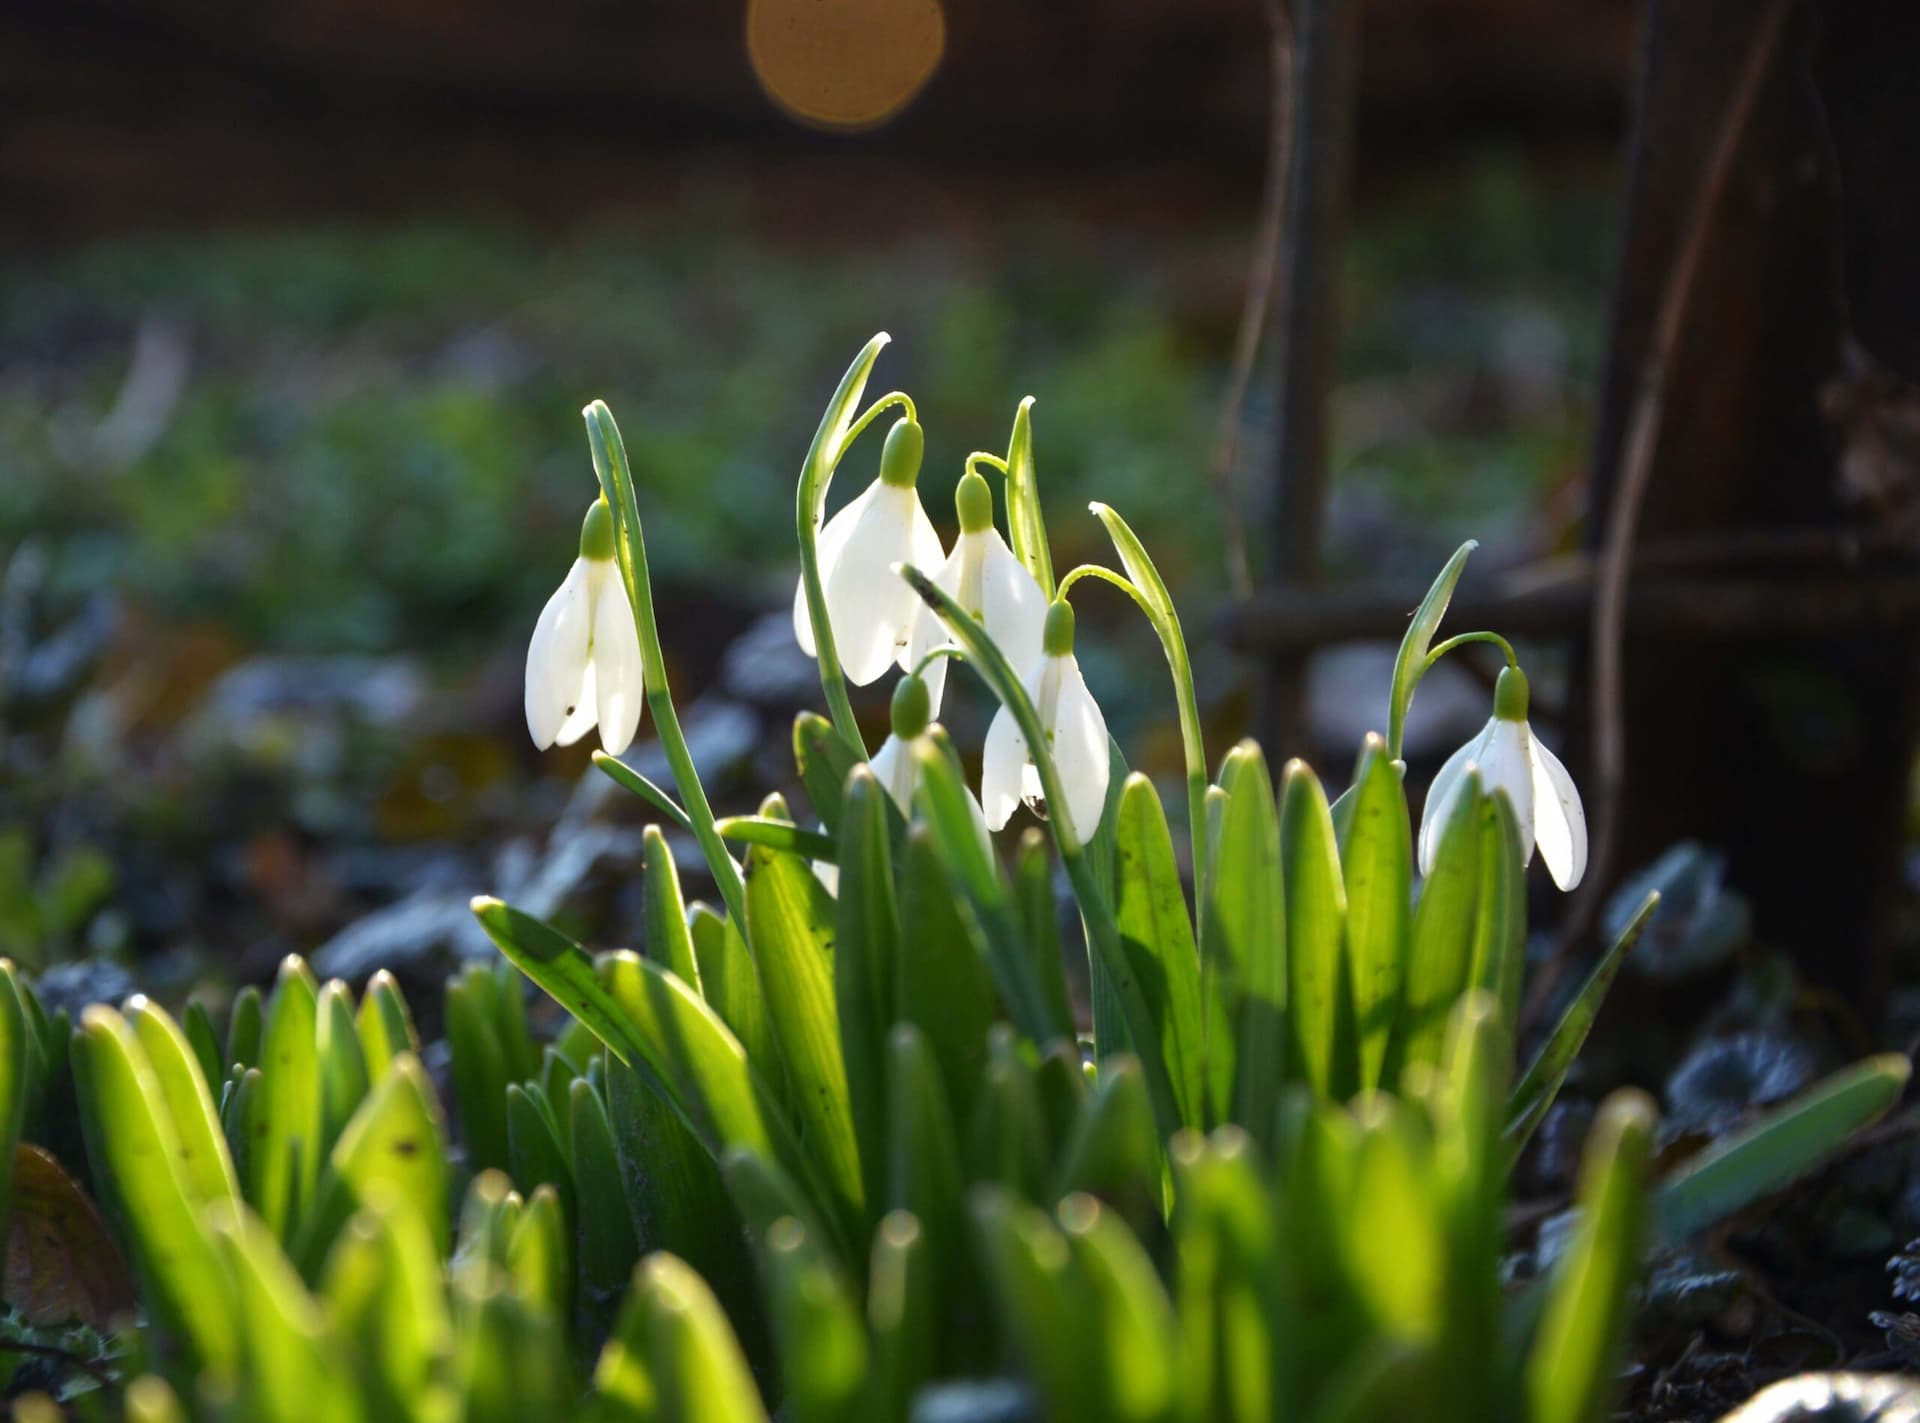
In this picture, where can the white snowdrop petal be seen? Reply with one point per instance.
(1440, 794)
(1003, 763)
(1015, 608)
(926, 554)
(585, 713)
(1080, 751)
(620, 685)
(870, 605)
(1507, 765)
(894, 767)
(557, 657)
(1559, 820)
(827, 546)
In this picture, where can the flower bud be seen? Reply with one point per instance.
(900, 458)
(1510, 695)
(912, 707)
(973, 502)
(1057, 639)
(596, 532)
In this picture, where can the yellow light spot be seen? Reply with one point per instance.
(844, 64)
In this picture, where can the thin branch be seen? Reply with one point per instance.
(1258, 302)
(1643, 429)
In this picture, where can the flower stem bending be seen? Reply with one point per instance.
(1460, 640)
(616, 481)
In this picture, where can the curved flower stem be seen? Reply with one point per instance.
(616, 482)
(873, 412)
(1460, 640)
(830, 441)
(981, 457)
(1102, 929)
(1149, 590)
(957, 654)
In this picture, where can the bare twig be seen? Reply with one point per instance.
(1259, 296)
(1643, 429)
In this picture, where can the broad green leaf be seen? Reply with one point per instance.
(731, 985)
(900, 1316)
(1377, 859)
(394, 1148)
(1779, 1148)
(779, 835)
(1440, 966)
(1500, 925)
(480, 1072)
(1007, 1138)
(206, 1169)
(14, 1088)
(1407, 665)
(1528, 1104)
(823, 1340)
(508, 1004)
(1113, 1150)
(292, 1374)
(790, 931)
(866, 948)
(1138, 1337)
(1243, 953)
(607, 1245)
(1151, 910)
(628, 779)
(941, 983)
(669, 940)
(1045, 1304)
(385, 1025)
(1383, 1380)
(1393, 1234)
(1039, 917)
(341, 1061)
(1320, 1033)
(510, 1361)
(924, 1175)
(386, 1305)
(539, 1262)
(534, 1149)
(204, 1039)
(284, 1152)
(244, 1026)
(824, 760)
(695, 1360)
(1573, 1367)
(1111, 1034)
(986, 903)
(130, 1139)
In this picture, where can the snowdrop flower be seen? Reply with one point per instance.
(989, 583)
(1510, 758)
(1076, 734)
(896, 767)
(583, 665)
(871, 611)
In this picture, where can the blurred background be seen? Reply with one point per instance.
(300, 304)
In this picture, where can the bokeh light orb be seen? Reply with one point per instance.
(844, 64)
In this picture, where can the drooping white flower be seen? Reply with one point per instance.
(990, 585)
(871, 611)
(1510, 758)
(1076, 734)
(583, 665)
(896, 767)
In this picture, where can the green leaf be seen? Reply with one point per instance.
(765, 1195)
(900, 1316)
(534, 1147)
(130, 1140)
(942, 986)
(150, 1399)
(628, 779)
(244, 1028)
(204, 1039)
(1440, 966)
(1779, 1148)
(510, 1359)
(1007, 1138)
(1407, 666)
(823, 1341)
(824, 760)
(1039, 917)
(1138, 1336)
(731, 985)
(205, 1167)
(790, 931)
(1111, 1033)
(292, 1372)
(14, 1089)
(393, 1147)
(1320, 1031)
(1026, 528)
(386, 1305)
(1045, 1304)
(656, 1024)
(284, 1153)
(1528, 1104)
(538, 1260)
(1573, 1367)
(607, 1245)
(1243, 949)
(1500, 926)
(866, 947)
(341, 1060)
(1377, 858)
(779, 835)
(1113, 1150)
(1392, 1233)
(1151, 910)
(480, 1072)
(385, 1025)
(694, 1358)
(924, 1175)
(669, 940)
